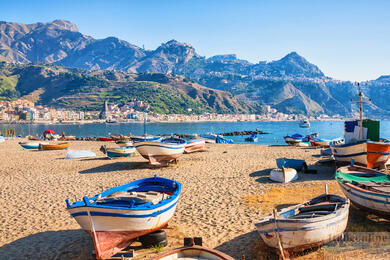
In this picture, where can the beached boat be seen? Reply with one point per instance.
(304, 123)
(117, 216)
(291, 163)
(310, 224)
(161, 152)
(365, 153)
(252, 138)
(366, 188)
(54, 146)
(31, 145)
(105, 139)
(293, 139)
(75, 154)
(120, 152)
(320, 142)
(193, 252)
(195, 145)
(283, 175)
(145, 138)
(69, 138)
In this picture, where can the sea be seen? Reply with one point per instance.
(276, 129)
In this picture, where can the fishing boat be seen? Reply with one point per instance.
(76, 154)
(252, 138)
(195, 145)
(306, 225)
(304, 123)
(54, 146)
(296, 164)
(161, 152)
(105, 139)
(366, 188)
(320, 142)
(114, 218)
(293, 139)
(31, 145)
(283, 175)
(362, 142)
(145, 138)
(120, 152)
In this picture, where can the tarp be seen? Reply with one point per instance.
(373, 128)
(221, 140)
(344, 177)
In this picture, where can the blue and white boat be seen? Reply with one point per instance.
(195, 145)
(145, 138)
(304, 123)
(75, 154)
(293, 139)
(31, 145)
(222, 140)
(310, 224)
(120, 152)
(119, 215)
(161, 152)
(367, 189)
(252, 138)
(296, 164)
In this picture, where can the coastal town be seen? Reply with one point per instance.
(25, 111)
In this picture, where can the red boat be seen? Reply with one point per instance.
(105, 139)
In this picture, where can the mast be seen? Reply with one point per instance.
(361, 102)
(145, 119)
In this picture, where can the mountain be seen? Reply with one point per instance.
(57, 86)
(291, 84)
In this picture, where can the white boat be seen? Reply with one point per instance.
(117, 216)
(161, 152)
(283, 175)
(31, 145)
(193, 252)
(304, 123)
(312, 223)
(195, 145)
(75, 154)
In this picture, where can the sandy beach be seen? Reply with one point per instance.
(225, 190)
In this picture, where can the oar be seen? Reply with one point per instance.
(277, 236)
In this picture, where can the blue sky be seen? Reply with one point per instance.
(348, 40)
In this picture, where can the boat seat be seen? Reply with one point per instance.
(138, 197)
(311, 214)
(318, 207)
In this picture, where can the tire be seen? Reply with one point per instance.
(155, 238)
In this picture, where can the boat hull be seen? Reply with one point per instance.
(279, 176)
(196, 145)
(31, 145)
(366, 153)
(193, 252)
(59, 146)
(158, 153)
(120, 152)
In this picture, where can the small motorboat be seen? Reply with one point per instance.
(293, 139)
(75, 154)
(31, 145)
(161, 152)
(319, 142)
(195, 145)
(54, 146)
(367, 189)
(252, 138)
(283, 175)
(304, 123)
(306, 225)
(114, 218)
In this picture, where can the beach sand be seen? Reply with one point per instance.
(225, 190)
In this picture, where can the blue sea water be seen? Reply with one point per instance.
(325, 129)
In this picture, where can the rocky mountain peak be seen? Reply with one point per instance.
(65, 25)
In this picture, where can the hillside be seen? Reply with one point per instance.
(57, 86)
(291, 84)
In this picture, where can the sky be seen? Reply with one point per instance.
(347, 40)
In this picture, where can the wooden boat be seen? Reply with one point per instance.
(161, 152)
(119, 215)
(293, 139)
(320, 142)
(283, 175)
(105, 139)
(310, 224)
(31, 145)
(366, 153)
(145, 138)
(304, 123)
(252, 138)
(193, 252)
(296, 164)
(75, 154)
(54, 146)
(195, 145)
(366, 188)
(120, 152)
